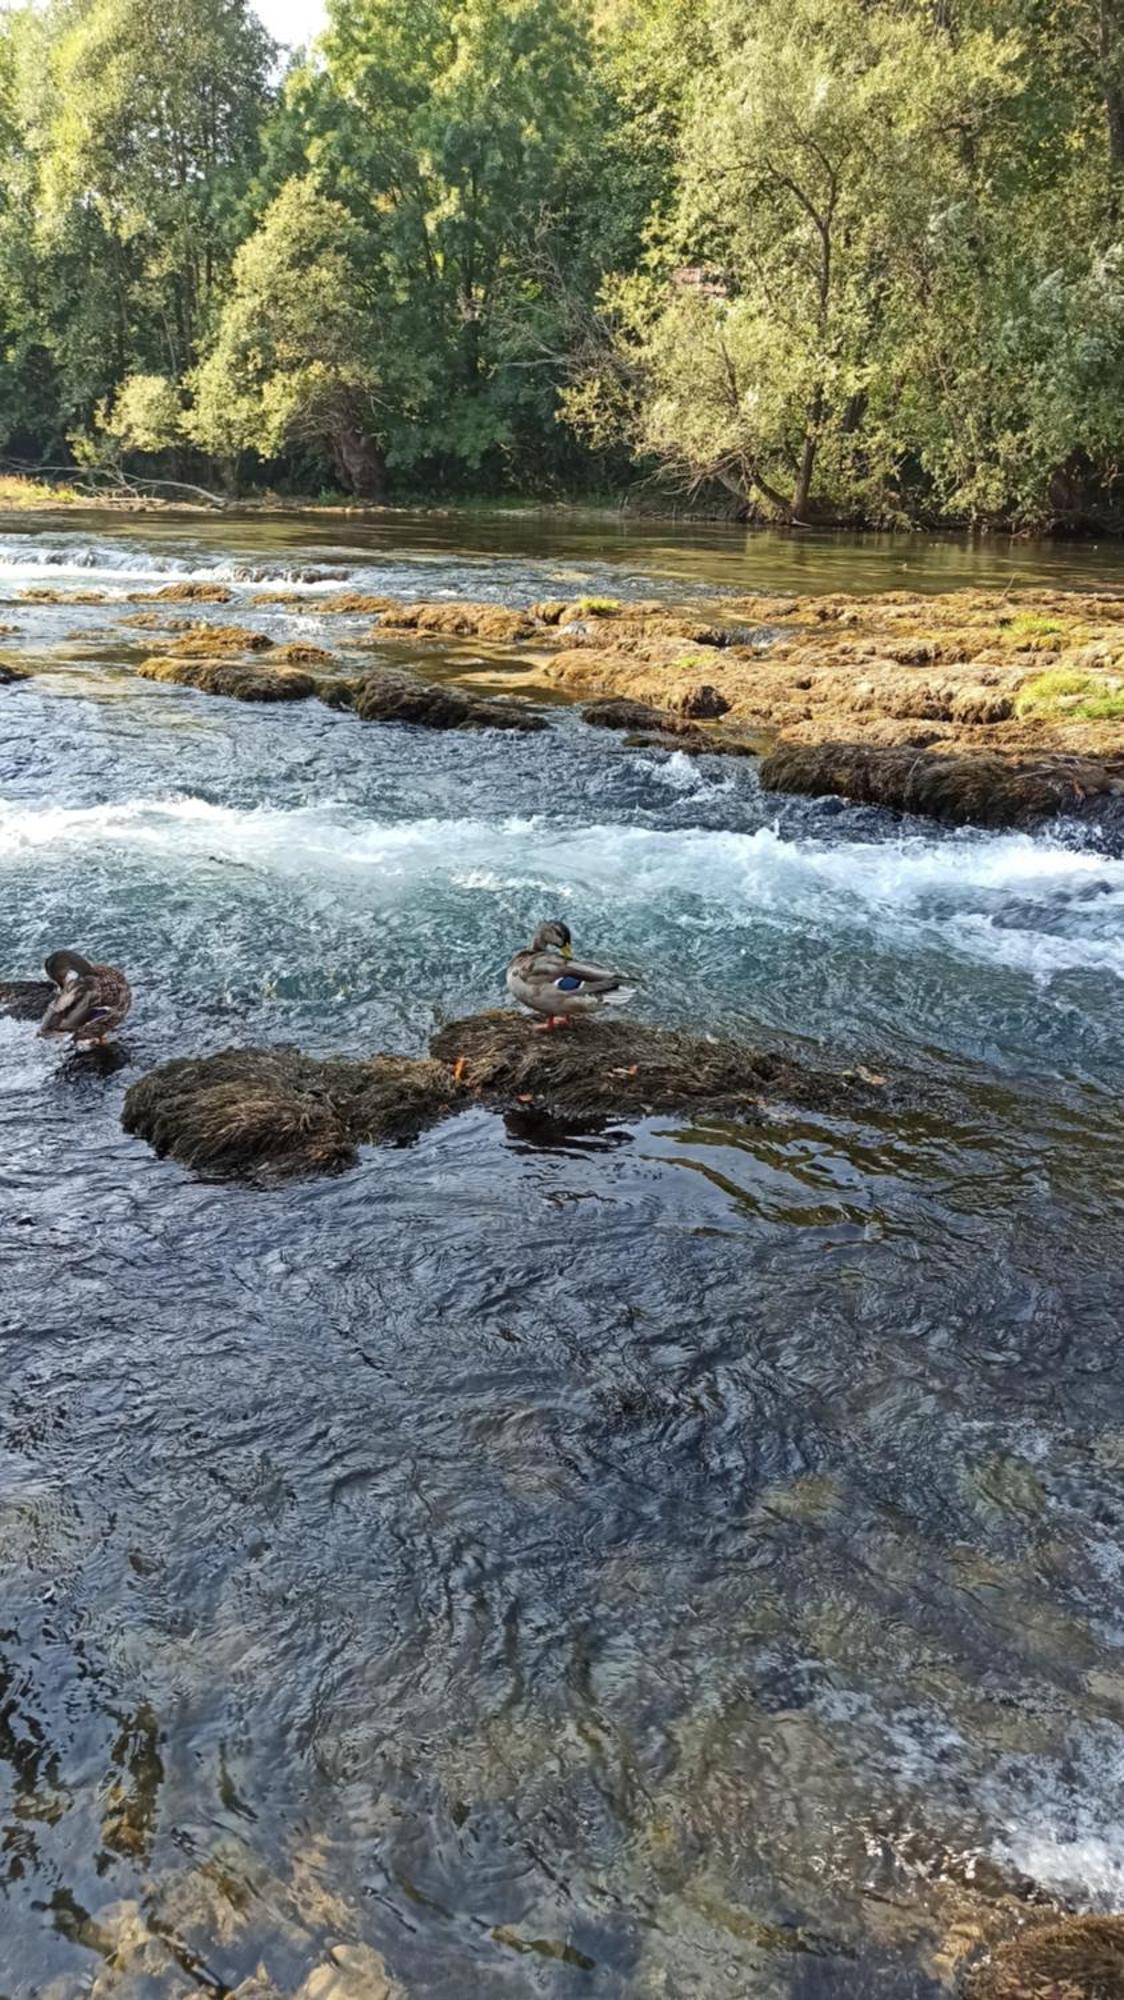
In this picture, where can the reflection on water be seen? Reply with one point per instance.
(508, 553)
(678, 1561)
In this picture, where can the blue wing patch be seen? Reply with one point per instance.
(569, 983)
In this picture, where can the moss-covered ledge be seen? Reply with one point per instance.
(267, 1114)
(974, 790)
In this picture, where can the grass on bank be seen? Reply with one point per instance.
(20, 493)
(1067, 692)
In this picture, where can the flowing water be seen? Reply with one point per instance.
(665, 1562)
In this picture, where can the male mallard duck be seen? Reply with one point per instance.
(547, 979)
(92, 1000)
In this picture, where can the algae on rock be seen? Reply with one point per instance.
(385, 694)
(238, 679)
(965, 791)
(1076, 1958)
(275, 1112)
(272, 1113)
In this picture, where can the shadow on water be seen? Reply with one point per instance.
(678, 1560)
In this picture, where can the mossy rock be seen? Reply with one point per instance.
(648, 728)
(1073, 693)
(236, 679)
(348, 603)
(299, 653)
(155, 621)
(388, 695)
(619, 712)
(581, 608)
(1079, 1958)
(43, 595)
(465, 620)
(700, 703)
(980, 790)
(183, 593)
(269, 1114)
(26, 999)
(217, 642)
(612, 1066)
(10, 673)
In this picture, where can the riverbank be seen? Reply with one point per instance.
(639, 502)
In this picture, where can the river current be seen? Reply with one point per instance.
(653, 1563)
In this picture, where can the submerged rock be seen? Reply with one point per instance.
(267, 1114)
(465, 620)
(351, 603)
(1078, 1958)
(979, 790)
(659, 729)
(155, 621)
(618, 712)
(352, 1972)
(300, 653)
(40, 595)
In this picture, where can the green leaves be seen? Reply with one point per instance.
(847, 259)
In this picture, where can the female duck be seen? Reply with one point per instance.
(547, 979)
(92, 1000)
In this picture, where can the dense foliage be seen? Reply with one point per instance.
(852, 259)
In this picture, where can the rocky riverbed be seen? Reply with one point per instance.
(635, 1513)
(974, 707)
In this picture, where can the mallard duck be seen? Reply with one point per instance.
(547, 979)
(92, 1000)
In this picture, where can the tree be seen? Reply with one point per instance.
(303, 355)
(464, 137)
(152, 143)
(812, 153)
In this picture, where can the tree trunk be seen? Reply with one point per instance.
(804, 478)
(803, 489)
(741, 492)
(360, 464)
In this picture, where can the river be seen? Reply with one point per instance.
(655, 1563)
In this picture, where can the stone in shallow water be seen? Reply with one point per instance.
(619, 712)
(979, 790)
(353, 1972)
(26, 999)
(240, 680)
(272, 1113)
(388, 695)
(219, 641)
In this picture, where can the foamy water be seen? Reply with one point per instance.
(994, 901)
